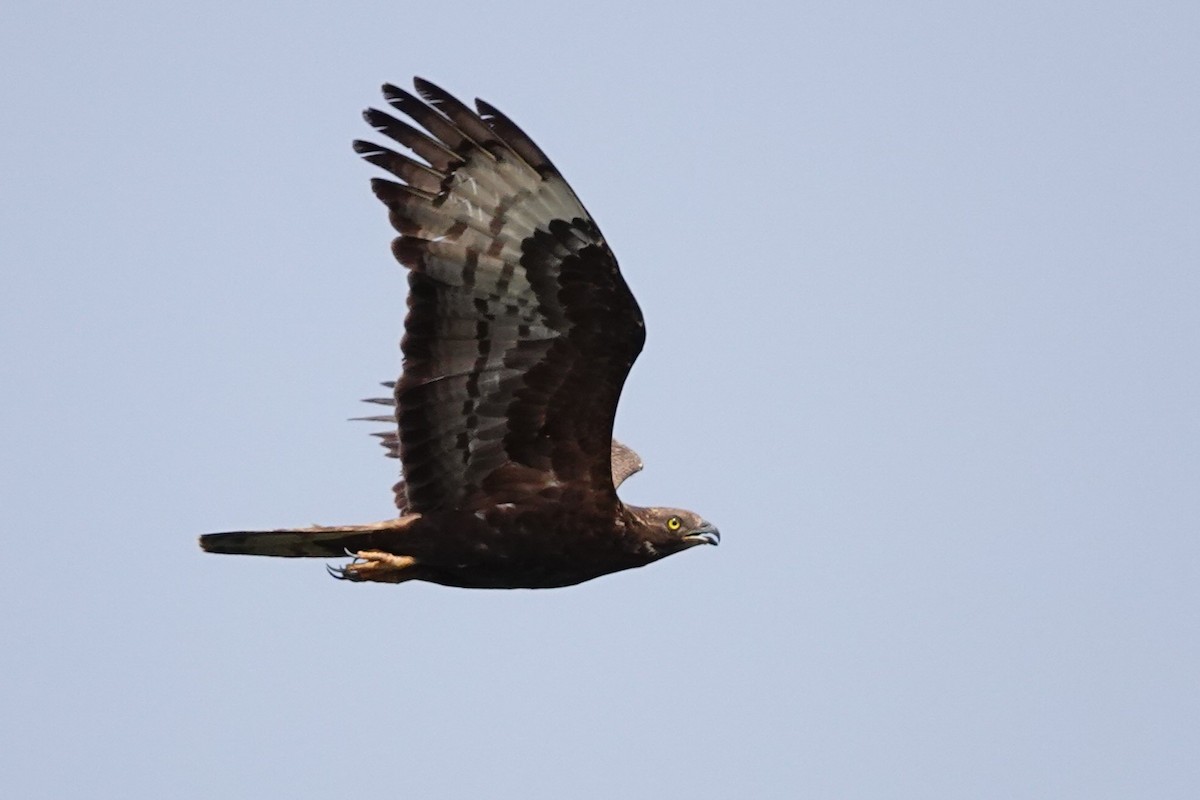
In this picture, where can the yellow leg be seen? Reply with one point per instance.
(376, 566)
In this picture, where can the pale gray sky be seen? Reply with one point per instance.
(921, 282)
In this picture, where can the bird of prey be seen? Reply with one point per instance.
(519, 335)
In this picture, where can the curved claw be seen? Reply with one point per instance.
(337, 572)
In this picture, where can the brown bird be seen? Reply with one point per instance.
(519, 336)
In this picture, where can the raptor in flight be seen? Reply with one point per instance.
(519, 336)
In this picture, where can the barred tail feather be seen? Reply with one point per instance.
(314, 542)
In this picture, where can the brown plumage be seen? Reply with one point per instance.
(519, 335)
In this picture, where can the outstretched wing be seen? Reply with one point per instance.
(520, 329)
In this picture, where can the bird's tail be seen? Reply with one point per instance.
(315, 542)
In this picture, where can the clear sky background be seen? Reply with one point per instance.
(922, 285)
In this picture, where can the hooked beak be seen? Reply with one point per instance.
(705, 534)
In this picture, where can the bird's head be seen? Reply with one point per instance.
(669, 530)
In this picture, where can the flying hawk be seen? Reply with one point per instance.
(519, 335)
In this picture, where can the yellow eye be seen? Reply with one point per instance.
(674, 524)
